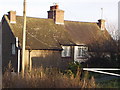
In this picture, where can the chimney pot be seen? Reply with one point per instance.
(54, 7)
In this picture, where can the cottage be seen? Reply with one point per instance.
(51, 42)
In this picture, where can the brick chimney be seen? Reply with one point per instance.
(101, 24)
(56, 14)
(12, 16)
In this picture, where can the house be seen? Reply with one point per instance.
(51, 42)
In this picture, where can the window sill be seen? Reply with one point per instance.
(82, 57)
(65, 57)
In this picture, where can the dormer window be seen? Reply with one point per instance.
(66, 52)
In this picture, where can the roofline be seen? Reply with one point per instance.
(51, 19)
(80, 21)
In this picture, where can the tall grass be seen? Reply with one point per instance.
(46, 78)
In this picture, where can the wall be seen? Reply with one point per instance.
(0, 56)
(47, 58)
(7, 39)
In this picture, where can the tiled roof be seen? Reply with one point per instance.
(44, 34)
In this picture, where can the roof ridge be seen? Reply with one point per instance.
(64, 20)
(79, 21)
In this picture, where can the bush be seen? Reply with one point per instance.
(73, 68)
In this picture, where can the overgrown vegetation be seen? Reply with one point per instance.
(47, 78)
(41, 77)
(73, 68)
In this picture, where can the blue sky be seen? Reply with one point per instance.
(75, 10)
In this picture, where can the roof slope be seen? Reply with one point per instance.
(44, 34)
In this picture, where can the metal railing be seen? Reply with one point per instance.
(98, 70)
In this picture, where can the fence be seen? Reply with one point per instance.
(98, 70)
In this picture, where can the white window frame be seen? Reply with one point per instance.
(66, 52)
(13, 49)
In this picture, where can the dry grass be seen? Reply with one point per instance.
(46, 78)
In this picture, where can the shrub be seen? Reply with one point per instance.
(73, 67)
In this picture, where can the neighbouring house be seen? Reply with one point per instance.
(51, 42)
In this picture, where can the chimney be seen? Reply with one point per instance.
(101, 24)
(12, 16)
(56, 14)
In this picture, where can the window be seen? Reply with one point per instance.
(82, 51)
(13, 49)
(66, 51)
(0, 50)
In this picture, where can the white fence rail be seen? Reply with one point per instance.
(98, 70)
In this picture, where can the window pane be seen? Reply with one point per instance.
(13, 49)
(66, 51)
(79, 51)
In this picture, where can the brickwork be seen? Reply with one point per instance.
(101, 24)
(56, 14)
(12, 16)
